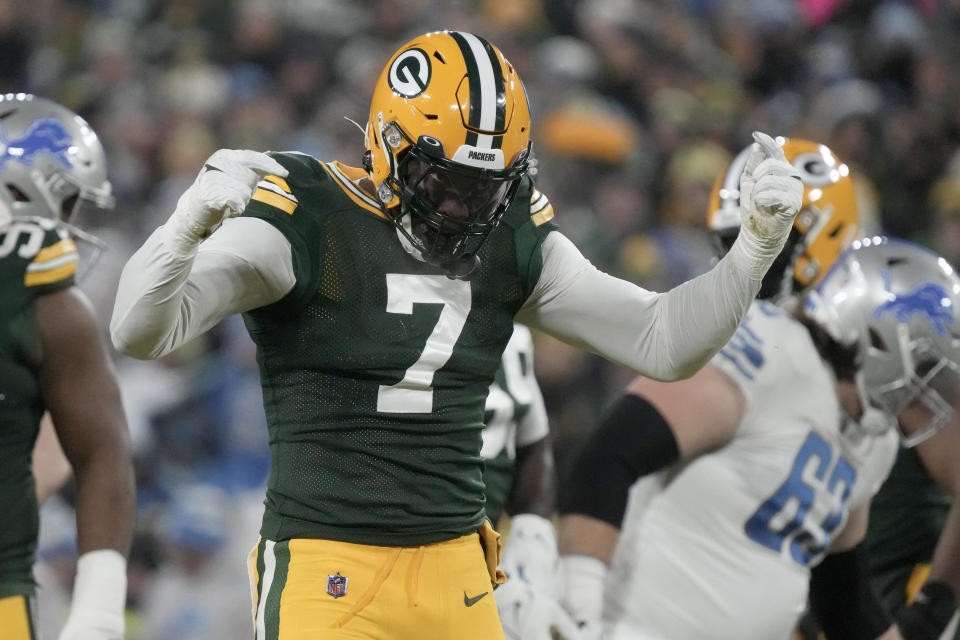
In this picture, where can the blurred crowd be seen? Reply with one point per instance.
(638, 105)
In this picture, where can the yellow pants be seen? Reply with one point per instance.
(17, 618)
(307, 589)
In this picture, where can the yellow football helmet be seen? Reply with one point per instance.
(825, 226)
(447, 143)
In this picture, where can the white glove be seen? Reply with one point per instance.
(99, 597)
(581, 580)
(771, 193)
(530, 552)
(528, 614)
(221, 190)
(590, 630)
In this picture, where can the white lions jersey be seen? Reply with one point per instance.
(722, 546)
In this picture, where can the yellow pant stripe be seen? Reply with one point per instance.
(16, 619)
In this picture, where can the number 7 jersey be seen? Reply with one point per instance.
(376, 366)
(722, 546)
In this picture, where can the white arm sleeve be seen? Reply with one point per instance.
(165, 300)
(665, 336)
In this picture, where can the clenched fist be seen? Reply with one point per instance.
(222, 189)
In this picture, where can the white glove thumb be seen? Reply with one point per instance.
(771, 193)
(222, 189)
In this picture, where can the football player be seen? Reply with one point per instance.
(52, 358)
(743, 478)
(520, 480)
(381, 299)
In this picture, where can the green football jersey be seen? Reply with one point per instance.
(514, 418)
(36, 257)
(906, 516)
(375, 367)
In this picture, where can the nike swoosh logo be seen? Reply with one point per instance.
(474, 600)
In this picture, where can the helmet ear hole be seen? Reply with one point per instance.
(68, 206)
(876, 340)
(16, 193)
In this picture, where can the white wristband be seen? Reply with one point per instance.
(582, 580)
(101, 583)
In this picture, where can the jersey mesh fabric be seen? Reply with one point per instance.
(340, 469)
(21, 404)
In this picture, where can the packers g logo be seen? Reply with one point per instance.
(815, 171)
(410, 73)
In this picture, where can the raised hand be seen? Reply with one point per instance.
(771, 193)
(222, 189)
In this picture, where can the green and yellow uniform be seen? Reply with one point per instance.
(37, 257)
(906, 518)
(375, 369)
(514, 417)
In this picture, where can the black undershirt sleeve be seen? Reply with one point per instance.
(632, 441)
(843, 601)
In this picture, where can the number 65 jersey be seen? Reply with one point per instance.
(722, 546)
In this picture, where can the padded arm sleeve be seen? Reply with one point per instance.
(665, 336)
(165, 300)
(842, 600)
(633, 440)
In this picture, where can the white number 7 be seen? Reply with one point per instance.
(414, 394)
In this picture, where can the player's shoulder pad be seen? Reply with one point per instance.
(40, 250)
(282, 193)
(530, 207)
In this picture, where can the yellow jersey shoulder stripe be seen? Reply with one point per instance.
(274, 191)
(55, 250)
(540, 208)
(278, 202)
(280, 182)
(48, 276)
(348, 179)
(273, 187)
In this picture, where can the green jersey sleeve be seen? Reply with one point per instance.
(531, 218)
(285, 204)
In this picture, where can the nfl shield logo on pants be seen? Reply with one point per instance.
(337, 585)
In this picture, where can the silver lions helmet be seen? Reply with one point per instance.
(895, 306)
(52, 164)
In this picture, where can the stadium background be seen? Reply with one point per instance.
(637, 106)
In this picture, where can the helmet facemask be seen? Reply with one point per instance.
(894, 304)
(447, 210)
(929, 382)
(79, 204)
